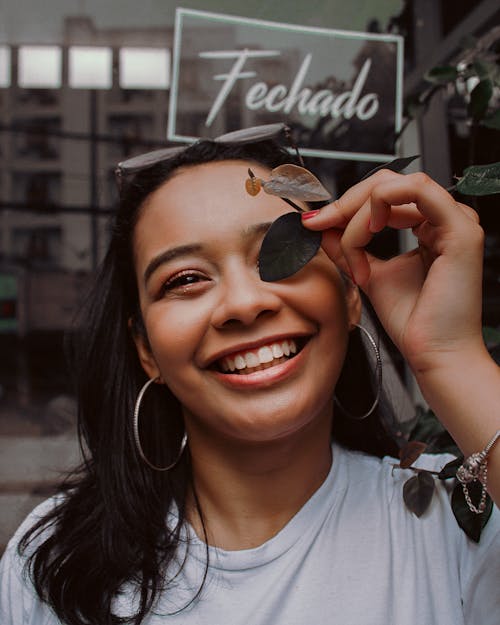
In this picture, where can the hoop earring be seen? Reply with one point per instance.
(378, 374)
(135, 424)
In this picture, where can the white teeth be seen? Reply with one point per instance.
(277, 351)
(265, 355)
(251, 359)
(239, 362)
(255, 359)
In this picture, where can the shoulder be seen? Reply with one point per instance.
(19, 603)
(380, 483)
(37, 515)
(385, 471)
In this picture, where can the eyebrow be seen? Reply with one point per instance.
(191, 248)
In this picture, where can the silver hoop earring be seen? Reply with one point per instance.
(378, 375)
(136, 432)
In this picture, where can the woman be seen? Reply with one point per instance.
(256, 517)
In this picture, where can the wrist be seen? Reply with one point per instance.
(450, 360)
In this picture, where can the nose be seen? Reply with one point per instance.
(243, 298)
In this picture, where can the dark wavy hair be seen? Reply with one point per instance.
(108, 526)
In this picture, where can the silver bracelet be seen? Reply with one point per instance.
(475, 467)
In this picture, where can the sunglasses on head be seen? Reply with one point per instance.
(255, 134)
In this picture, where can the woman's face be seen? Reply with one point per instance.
(247, 359)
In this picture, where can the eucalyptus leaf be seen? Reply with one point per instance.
(480, 98)
(493, 121)
(397, 165)
(292, 181)
(418, 491)
(480, 180)
(442, 75)
(471, 523)
(450, 470)
(410, 452)
(286, 248)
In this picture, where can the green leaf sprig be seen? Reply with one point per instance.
(418, 490)
(480, 180)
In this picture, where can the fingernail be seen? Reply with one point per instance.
(310, 214)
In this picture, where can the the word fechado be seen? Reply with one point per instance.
(281, 98)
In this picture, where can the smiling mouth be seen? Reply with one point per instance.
(263, 357)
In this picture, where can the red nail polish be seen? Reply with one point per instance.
(310, 214)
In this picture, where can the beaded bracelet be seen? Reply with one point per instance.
(475, 467)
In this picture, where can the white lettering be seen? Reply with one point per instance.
(278, 98)
(254, 99)
(294, 94)
(278, 91)
(234, 74)
(339, 103)
(368, 99)
(350, 109)
(320, 102)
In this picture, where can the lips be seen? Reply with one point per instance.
(263, 356)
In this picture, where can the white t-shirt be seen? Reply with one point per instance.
(353, 555)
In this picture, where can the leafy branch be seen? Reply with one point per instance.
(418, 490)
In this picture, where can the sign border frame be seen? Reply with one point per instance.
(232, 19)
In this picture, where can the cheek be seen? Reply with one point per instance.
(326, 298)
(175, 331)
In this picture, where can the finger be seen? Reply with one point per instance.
(337, 214)
(356, 236)
(470, 212)
(399, 217)
(330, 242)
(434, 202)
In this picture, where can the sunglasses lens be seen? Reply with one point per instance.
(252, 135)
(149, 159)
(247, 135)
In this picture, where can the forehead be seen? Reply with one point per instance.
(204, 203)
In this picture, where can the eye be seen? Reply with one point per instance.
(184, 281)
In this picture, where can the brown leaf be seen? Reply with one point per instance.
(253, 185)
(294, 182)
(417, 493)
(410, 452)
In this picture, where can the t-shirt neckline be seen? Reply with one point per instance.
(307, 520)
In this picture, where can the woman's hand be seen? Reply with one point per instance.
(429, 299)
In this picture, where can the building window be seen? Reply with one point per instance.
(39, 246)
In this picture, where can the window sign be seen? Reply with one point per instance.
(340, 90)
